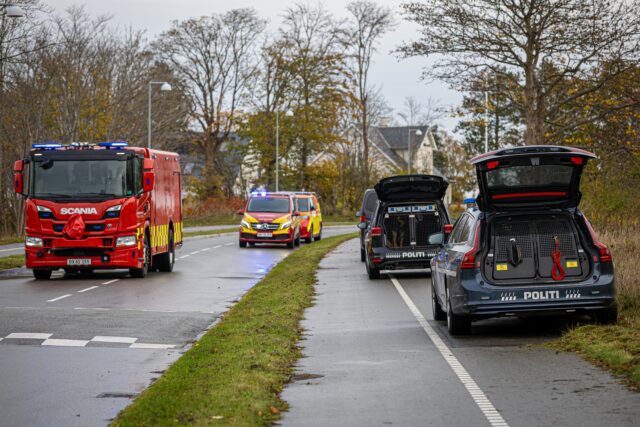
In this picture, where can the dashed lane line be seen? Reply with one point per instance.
(478, 396)
(59, 298)
(206, 249)
(88, 289)
(111, 281)
(47, 341)
(218, 246)
(194, 253)
(229, 244)
(184, 256)
(28, 336)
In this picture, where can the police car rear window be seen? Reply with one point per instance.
(530, 176)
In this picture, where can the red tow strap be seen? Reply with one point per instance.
(557, 272)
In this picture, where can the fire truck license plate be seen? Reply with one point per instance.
(265, 234)
(79, 261)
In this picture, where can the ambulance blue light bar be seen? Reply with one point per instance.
(46, 146)
(259, 193)
(113, 144)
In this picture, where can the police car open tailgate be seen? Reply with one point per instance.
(530, 177)
(411, 188)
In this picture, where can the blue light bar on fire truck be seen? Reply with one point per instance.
(113, 144)
(46, 146)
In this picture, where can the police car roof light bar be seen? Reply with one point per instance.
(46, 146)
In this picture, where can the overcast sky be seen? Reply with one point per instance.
(398, 79)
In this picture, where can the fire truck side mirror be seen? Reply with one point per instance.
(148, 180)
(18, 183)
(148, 164)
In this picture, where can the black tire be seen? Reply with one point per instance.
(319, 236)
(42, 274)
(139, 273)
(243, 244)
(608, 316)
(363, 255)
(310, 238)
(252, 244)
(167, 259)
(70, 271)
(374, 273)
(456, 324)
(438, 312)
(297, 241)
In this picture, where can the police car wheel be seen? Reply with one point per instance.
(608, 316)
(438, 312)
(374, 273)
(457, 325)
(243, 244)
(363, 255)
(41, 274)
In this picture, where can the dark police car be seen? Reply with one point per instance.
(526, 249)
(369, 205)
(410, 209)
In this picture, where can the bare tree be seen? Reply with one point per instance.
(536, 44)
(368, 22)
(418, 113)
(215, 56)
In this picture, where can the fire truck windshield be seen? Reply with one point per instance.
(102, 179)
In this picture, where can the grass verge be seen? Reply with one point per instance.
(233, 375)
(210, 232)
(11, 239)
(615, 347)
(12, 261)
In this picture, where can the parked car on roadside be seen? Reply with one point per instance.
(270, 218)
(410, 208)
(525, 249)
(369, 205)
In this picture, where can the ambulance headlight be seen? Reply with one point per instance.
(245, 224)
(33, 242)
(285, 225)
(126, 241)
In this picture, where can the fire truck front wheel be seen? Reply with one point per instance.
(139, 273)
(42, 274)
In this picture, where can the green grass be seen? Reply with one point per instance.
(211, 232)
(13, 261)
(11, 239)
(234, 374)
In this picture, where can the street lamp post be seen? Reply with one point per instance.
(165, 87)
(418, 132)
(289, 113)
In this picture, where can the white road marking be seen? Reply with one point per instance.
(218, 246)
(59, 298)
(153, 346)
(206, 249)
(124, 340)
(65, 343)
(193, 253)
(12, 249)
(229, 244)
(87, 289)
(28, 336)
(184, 256)
(110, 282)
(478, 396)
(91, 308)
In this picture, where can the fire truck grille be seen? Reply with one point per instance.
(67, 252)
(88, 227)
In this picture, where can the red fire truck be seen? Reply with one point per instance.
(100, 206)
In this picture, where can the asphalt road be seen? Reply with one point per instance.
(373, 356)
(75, 350)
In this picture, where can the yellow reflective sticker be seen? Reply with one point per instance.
(502, 267)
(572, 264)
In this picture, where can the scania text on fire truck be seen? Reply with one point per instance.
(104, 206)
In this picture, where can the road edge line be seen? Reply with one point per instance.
(481, 400)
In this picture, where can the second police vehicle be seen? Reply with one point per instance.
(526, 249)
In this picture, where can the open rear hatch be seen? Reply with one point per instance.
(529, 182)
(413, 209)
(530, 177)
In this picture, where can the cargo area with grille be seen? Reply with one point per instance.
(521, 249)
(514, 252)
(426, 224)
(397, 230)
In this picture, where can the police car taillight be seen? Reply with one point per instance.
(469, 259)
(363, 218)
(603, 250)
(376, 231)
